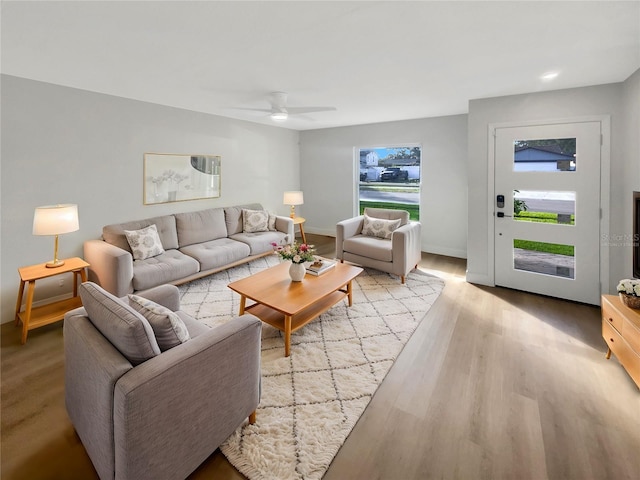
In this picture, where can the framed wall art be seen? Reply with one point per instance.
(172, 177)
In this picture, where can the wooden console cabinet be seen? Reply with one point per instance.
(621, 331)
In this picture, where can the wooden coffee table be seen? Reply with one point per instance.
(288, 305)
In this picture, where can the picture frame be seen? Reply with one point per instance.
(174, 177)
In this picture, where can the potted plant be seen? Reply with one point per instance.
(629, 291)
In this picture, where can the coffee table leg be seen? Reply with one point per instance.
(350, 293)
(243, 302)
(287, 335)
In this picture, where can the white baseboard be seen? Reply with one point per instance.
(320, 231)
(448, 252)
(480, 279)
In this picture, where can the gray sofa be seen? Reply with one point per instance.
(195, 244)
(148, 409)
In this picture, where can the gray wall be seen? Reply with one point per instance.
(629, 179)
(329, 176)
(616, 100)
(63, 145)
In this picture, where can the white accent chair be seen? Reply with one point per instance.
(398, 254)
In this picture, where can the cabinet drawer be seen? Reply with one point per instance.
(612, 337)
(611, 316)
(626, 357)
(631, 334)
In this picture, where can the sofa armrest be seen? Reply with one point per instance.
(109, 266)
(346, 229)
(285, 225)
(172, 411)
(406, 244)
(166, 295)
(92, 367)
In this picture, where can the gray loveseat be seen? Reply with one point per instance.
(195, 244)
(152, 396)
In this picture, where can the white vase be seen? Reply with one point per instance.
(297, 271)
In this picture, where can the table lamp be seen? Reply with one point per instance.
(55, 220)
(293, 198)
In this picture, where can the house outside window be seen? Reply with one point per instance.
(390, 177)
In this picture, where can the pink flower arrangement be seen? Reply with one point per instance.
(297, 253)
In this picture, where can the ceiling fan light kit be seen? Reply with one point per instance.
(279, 115)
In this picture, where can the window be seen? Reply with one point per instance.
(390, 178)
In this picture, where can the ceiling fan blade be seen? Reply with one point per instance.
(265, 110)
(297, 110)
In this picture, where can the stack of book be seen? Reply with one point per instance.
(320, 266)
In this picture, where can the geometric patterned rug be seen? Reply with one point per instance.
(311, 400)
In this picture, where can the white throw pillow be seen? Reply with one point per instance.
(379, 227)
(254, 221)
(144, 243)
(168, 327)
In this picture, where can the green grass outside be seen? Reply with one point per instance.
(542, 217)
(556, 248)
(413, 209)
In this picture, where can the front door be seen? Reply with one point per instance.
(547, 209)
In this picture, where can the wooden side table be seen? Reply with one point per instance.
(52, 312)
(299, 221)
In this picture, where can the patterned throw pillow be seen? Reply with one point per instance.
(168, 327)
(272, 222)
(254, 221)
(379, 227)
(144, 243)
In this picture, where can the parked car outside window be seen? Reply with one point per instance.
(394, 174)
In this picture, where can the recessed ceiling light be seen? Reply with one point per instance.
(549, 76)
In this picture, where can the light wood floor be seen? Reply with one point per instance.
(494, 384)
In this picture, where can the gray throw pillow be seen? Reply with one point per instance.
(145, 243)
(378, 227)
(125, 328)
(272, 222)
(167, 326)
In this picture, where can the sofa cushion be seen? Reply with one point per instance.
(164, 268)
(233, 217)
(168, 327)
(255, 221)
(260, 242)
(202, 226)
(144, 243)
(126, 329)
(378, 227)
(370, 247)
(217, 253)
(388, 214)
(166, 225)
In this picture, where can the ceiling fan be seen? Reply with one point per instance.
(280, 112)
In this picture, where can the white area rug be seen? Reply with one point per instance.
(312, 400)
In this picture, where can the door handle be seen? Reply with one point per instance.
(502, 214)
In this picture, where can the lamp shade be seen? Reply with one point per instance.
(55, 219)
(293, 198)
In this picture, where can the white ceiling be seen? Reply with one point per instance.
(373, 61)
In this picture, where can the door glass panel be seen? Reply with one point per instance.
(547, 258)
(551, 155)
(544, 206)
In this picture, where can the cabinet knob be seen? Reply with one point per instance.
(611, 320)
(611, 340)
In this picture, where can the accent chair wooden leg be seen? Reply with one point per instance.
(402, 279)
(252, 417)
(342, 260)
(608, 354)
